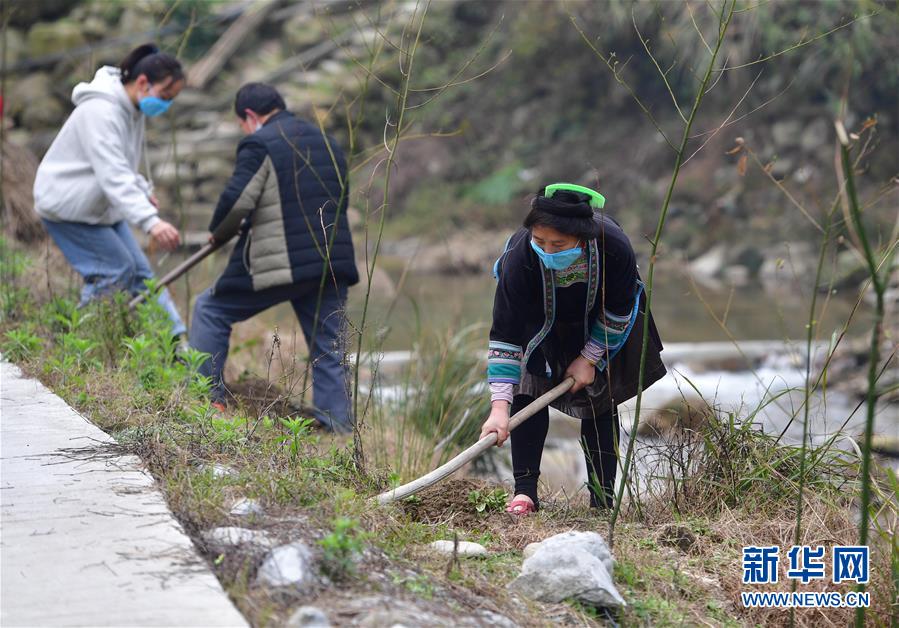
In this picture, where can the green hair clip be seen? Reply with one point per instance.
(597, 200)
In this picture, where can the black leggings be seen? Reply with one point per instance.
(599, 440)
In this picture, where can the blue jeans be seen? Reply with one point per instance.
(216, 312)
(108, 258)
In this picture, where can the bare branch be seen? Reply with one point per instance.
(619, 80)
(800, 44)
(724, 124)
(696, 26)
(663, 74)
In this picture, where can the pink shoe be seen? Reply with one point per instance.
(521, 507)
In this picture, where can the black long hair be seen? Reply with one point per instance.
(148, 60)
(568, 212)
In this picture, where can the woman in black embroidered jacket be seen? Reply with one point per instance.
(569, 302)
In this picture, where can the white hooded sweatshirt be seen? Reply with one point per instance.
(90, 173)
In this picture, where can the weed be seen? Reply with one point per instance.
(13, 297)
(20, 344)
(415, 583)
(488, 501)
(300, 430)
(341, 547)
(437, 410)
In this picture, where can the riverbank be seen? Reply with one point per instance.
(264, 472)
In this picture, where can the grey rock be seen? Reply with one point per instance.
(308, 617)
(782, 167)
(574, 565)
(223, 471)
(379, 611)
(589, 542)
(46, 38)
(33, 102)
(489, 618)
(212, 168)
(135, 20)
(227, 536)
(404, 617)
(27, 13)
(737, 276)
(711, 263)
(530, 549)
(169, 171)
(786, 132)
(287, 565)
(94, 27)
(466, 548)
(300, 32)
(246, 507)
(816, 135)
(15, 46)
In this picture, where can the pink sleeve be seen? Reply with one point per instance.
(500, 392)
(593, 351)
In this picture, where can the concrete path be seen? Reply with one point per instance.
(86, 538)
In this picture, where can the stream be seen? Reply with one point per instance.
(700, 326)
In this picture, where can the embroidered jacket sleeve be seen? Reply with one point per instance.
(505, 351)
(608, 332)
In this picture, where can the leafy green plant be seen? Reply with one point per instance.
(81, 350)
(224, 431)
(300, 430)
(341, 547)
(20, 344)
(488, 501)
(416, 584)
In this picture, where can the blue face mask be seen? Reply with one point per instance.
(153, 106)
(560, 260)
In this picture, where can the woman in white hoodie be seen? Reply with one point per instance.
(88, 186)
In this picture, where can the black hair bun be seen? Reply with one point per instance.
(564, 203)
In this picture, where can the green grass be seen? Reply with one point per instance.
(119, 369)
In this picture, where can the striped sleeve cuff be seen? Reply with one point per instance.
(501, 392)
(593, 352)
(609, 331)
(504, 363)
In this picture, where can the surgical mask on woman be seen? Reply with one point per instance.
(560, 260)
(153, 106)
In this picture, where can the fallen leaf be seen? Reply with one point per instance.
(867, 124)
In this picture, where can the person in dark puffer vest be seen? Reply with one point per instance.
(287, 201)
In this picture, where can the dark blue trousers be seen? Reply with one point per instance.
(216, 312)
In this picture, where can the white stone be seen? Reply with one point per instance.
(590, 542)
(529, 550)
(489, 618)
(236, 536)
(466, 548)
(710, 264)
(286, 565)
(245, 507)
(223, 471)
(574, 565)
(308, 617)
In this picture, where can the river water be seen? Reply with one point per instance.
(695, 323)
